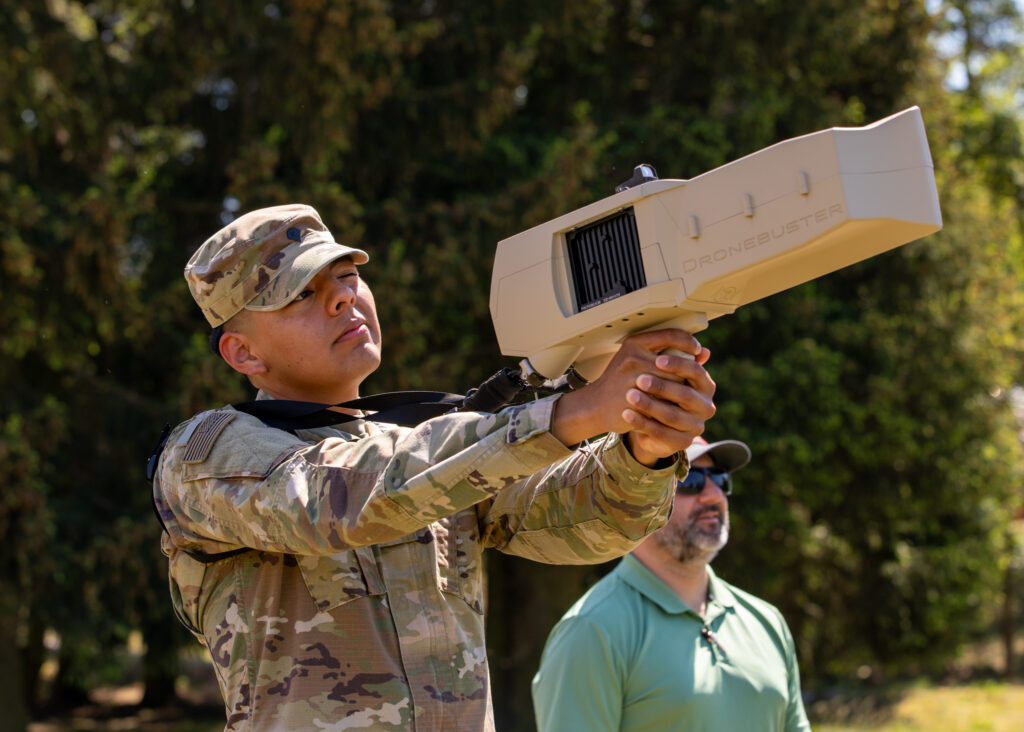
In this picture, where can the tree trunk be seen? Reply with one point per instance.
(160, 666)
(12, 694)
(32, 657)
(1007, 621)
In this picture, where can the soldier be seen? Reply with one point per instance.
(335, 573)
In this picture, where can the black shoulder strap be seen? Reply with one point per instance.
(406, 408)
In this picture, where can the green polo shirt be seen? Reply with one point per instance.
(630, 655)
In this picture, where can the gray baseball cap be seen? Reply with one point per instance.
(728, 455)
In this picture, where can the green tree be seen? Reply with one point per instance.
(428, 131)
(85, 334)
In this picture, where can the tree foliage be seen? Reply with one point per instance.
(885, 464)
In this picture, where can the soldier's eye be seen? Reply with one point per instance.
(345, 271)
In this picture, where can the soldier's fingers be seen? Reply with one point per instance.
(657, 438)
(675, 369)
(696, 410)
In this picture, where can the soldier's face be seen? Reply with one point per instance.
(323, 344)
(699, 525)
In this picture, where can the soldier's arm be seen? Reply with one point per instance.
(228, 481)
(603, 501)
(592, 507)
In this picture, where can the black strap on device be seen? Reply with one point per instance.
(406, 408)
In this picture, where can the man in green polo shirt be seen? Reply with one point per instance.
(662, 643)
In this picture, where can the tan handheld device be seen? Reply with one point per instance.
(678, 253)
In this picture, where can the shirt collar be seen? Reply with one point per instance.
(636, 575)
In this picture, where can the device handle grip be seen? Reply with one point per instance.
(688, 320)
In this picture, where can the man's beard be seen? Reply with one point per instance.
(688, 541)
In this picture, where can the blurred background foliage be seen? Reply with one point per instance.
(877, 513)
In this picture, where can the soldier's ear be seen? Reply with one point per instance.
(236, 348)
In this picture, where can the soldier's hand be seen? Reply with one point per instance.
(660, 400)
(668, 409)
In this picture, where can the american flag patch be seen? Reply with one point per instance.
(198, 446)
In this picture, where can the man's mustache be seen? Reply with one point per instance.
(701, 513)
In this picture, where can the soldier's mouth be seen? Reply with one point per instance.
(358, 330)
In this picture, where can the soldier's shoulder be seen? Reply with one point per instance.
(227, 442)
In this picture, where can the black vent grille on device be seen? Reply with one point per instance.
(605, 260)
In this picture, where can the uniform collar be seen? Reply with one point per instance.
(636, 575)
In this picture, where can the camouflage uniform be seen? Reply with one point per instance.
(361, 604)
(356, 600)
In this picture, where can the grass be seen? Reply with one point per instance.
(980, 707)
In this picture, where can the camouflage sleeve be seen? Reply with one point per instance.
(226, 480)
(592, 507)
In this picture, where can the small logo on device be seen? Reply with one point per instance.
(768, 236)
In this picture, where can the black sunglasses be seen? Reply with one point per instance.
(694, 482)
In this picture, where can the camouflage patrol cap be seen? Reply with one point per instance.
(262, 260)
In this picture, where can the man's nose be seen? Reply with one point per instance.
(342, 294)
(710, 491)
